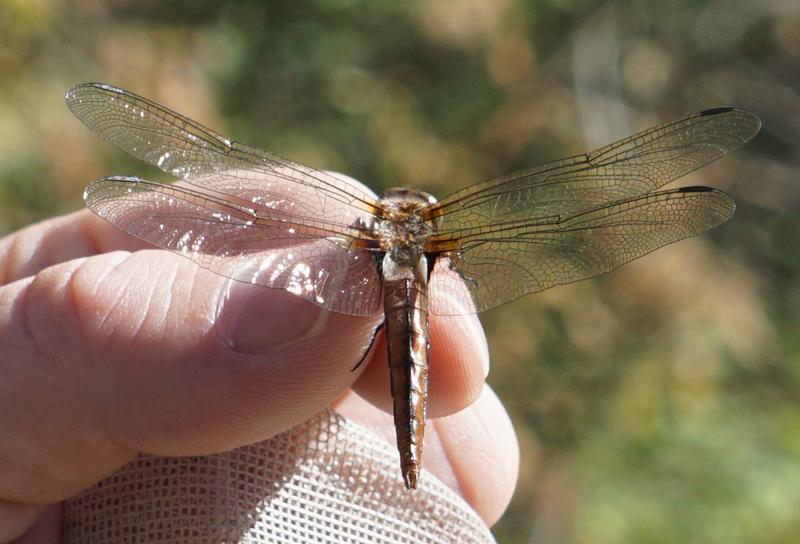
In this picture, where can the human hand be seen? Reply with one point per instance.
(107, 351)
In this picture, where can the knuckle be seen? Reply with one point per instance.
(103, 307)
(10, 256)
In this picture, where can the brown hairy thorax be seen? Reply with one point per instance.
(403, 232)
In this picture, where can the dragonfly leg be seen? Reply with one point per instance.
(371, 344)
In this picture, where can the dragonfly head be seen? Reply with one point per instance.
(409, 196)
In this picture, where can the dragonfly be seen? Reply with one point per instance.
(258, 218)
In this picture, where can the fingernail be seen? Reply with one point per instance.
(473, 329)
(253, 319)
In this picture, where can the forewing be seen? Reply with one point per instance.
(305, 257)
(186, 149)
(628, 168)
(496, 264)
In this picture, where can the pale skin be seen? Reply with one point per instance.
(109, 348)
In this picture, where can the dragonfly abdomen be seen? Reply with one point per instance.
(406, 311)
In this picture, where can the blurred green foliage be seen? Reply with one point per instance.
(657, 404)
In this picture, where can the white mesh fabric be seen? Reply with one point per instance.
(327, 480)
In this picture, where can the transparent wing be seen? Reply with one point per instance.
(308, 258)
(186, 149)
(498, 263)
(628, 168)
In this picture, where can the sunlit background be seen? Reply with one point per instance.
(657, 404)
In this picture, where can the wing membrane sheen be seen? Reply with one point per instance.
(317, 265)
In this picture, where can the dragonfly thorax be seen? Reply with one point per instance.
(403, 231)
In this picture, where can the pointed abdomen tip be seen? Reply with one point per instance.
(410, 476)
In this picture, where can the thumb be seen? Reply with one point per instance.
(121, 353)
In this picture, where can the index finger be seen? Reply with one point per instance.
(30, 250)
